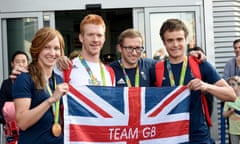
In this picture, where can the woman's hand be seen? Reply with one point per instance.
(60, 91)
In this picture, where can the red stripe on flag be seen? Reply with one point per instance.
(89, 102)
(127, 134)
(175, 94)
(134, 100)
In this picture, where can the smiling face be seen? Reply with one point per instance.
(175, 43)
(49, 54)
(173, 33)
(92, 39)
(130, 51)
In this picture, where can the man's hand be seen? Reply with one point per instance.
(63, 63)
(197, 84)
(17, 70)
(199, 55)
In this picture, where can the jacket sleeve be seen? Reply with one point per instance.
(228, 69)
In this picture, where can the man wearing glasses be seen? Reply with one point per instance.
(131, 70)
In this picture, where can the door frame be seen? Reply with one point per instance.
(3, 34)
(140, 13)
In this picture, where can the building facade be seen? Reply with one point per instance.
(19, 20)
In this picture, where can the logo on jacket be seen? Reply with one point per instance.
(121, 81)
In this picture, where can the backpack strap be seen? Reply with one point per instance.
(194, 65)
(112, 74)
(159, 71)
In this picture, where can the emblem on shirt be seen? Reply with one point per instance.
(164, 78)
(121, 81)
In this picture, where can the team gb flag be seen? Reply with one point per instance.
(122, 115)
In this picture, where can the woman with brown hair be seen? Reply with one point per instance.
(37, 93)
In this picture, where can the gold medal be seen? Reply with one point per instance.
(56, 129)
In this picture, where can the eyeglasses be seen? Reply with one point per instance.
(131, 49)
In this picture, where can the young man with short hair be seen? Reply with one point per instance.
(177, 72)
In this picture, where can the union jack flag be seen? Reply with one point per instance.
(122, 115)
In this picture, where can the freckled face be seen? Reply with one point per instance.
(92, 39)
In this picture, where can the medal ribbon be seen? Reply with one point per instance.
(182, 75)
(90, 73)
(55, 106)
(127, 78)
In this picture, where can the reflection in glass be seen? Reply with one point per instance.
(46, 21)
(20, 32)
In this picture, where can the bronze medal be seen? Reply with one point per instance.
(56, 129)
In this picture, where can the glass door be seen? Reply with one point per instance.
(17, 31)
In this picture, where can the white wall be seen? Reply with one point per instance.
(52, 5)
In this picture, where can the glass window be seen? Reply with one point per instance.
(20, 32)
(46, 21)
(139, 24)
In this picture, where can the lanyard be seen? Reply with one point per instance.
(182, 75)
(90, 73)
(127, 78)
(55, 106)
